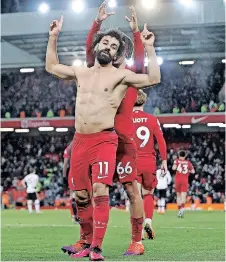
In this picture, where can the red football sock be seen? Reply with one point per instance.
(148, 206)
(182, 205)
(100, 219)
(179, 207)
(82, 235)
(85, 214)
(137, 225)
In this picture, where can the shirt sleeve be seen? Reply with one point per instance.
(138, 53)
(90, 58)
(160, 140)
(66, 153)
(169, 178)
(190, 166)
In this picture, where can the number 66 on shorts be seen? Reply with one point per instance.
(126, 171)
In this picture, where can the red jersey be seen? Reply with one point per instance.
(146, 127)
(123, 118)
(183, 169)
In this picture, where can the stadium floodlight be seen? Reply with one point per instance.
(186, 62)
(223, 60)
(186, 126)
(149, 4)
(43, 8)
(77, 62)
(46, 128)
(130, 62)
(27, 70)
(186, 3)
(24, 130)
(160, 60)
(112, 3)
(78, 6)
(62, 129)
(171, 126)
(5, 129)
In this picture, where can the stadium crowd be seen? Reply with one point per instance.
(45, 153)
(182, 89)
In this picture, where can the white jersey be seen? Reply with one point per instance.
(31, 182)
(163, 180)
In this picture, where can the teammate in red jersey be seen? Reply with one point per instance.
(183, 168)
(146, 127)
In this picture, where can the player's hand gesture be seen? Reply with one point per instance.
(133, 21)
(147, 37)
(102, 13)
(56, 27)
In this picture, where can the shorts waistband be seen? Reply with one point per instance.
(105, 131)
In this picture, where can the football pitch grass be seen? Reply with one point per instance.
(31, 237)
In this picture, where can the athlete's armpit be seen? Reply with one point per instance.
(138, 80)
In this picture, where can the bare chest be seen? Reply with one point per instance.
(98, 83)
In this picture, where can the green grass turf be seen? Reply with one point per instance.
(199, 236)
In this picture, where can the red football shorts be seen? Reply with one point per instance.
(181, 186)
(126, 170)
(93, 160)
(146, 173)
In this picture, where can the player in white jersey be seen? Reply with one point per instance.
(164, 179)
(30, 182)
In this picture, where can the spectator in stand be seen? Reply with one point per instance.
(186, 88)
(204, 108)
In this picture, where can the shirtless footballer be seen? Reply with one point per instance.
(126, 170)
(100, 90)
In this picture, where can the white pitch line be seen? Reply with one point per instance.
(196, 228)
(58, 225)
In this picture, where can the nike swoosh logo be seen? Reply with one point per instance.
(197, 120)
(121, 177)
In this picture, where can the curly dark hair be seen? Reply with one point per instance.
(116, 33)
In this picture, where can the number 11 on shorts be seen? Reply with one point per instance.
(103, 168)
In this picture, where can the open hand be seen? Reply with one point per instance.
(56, 26)
(133, 21)
(147, 37)
(102, 13)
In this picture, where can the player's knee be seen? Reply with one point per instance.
(82, 198)
(147, 192)
(37, 202)
(100, 189)
(132, 192)
(29, 202)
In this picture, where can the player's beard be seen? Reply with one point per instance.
(104, 57)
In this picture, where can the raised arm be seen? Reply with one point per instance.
(52, 62)
(153, 77)
(101, 16)
(138, 45)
